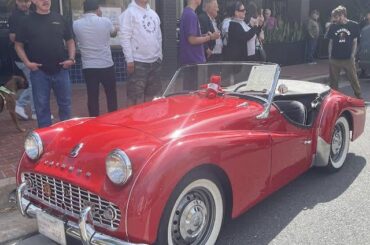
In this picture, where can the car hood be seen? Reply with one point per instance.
(166, 118)
(97, 140)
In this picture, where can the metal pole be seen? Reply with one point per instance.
(61, 7)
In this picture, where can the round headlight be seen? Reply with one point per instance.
(33, 146)
(118, 167)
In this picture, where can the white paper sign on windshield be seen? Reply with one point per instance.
(261, 78)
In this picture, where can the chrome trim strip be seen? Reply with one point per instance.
(20, 191)
(268, 105)
(72, 229)
(322, 153)
(86, 231)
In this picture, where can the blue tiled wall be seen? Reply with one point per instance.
(119, 66)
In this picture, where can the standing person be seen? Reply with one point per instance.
(343, 35)
(141, 41)
(208, 24)
(365, 21)
(25, 98)
(45, 32)
(192, 41)
(242, 37)
(93, 34)
(270, 21)
(313, 31)
(226, 23)
(256, 48)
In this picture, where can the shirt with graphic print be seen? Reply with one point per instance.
(343, 36)
(45, 34)
(140, 35)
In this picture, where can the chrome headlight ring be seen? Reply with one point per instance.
(118, 167)
(33, 146)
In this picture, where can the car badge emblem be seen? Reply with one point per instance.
(46, 188)
(76, 150)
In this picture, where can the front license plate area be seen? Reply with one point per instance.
(51, 227)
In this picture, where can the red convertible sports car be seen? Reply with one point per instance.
(221, 138)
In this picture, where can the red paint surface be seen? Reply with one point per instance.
(167, 138)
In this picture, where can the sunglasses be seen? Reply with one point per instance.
(241, 10)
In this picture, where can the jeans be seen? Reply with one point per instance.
(25, 97)
(310, 49)
(42, 84)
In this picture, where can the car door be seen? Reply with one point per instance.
(290, 153)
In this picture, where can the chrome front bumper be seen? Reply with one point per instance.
(82, 231)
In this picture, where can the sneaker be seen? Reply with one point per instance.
(34, 117)
(21, 113)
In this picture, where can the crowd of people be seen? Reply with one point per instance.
(41, 37)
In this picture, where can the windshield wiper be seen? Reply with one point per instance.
(240, 86)
(253, 91)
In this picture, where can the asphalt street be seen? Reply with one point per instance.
(317, 208)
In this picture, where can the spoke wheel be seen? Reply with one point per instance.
(339, 144)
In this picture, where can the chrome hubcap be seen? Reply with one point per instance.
(193, 219)
(337, 142)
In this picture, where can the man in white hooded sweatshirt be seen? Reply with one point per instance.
(141, 41)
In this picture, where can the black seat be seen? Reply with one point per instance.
(293, 110)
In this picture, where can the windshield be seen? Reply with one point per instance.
(236, 78)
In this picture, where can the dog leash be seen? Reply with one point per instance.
(5, 90)
(4, 104)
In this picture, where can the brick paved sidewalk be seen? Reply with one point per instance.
(11, 141)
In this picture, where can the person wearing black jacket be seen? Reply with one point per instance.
(208, 24)
(241, 36)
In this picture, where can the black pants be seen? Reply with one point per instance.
(105, 76)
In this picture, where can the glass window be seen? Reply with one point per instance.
(110, 9)
(77, 6)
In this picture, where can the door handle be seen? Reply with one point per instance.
(307, 142)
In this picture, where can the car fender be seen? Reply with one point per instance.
(158, 178)
(334, 106)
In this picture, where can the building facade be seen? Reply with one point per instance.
(293, 13)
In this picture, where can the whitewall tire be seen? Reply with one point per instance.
(339, 144)
(194, 212)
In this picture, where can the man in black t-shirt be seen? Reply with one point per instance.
(45, 33)
(25, 98)
(343, 37)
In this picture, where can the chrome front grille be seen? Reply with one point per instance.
(71, 199)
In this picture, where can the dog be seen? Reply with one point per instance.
(8, 93)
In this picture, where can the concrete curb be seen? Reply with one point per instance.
(14, 226)
(7, 185)
(7, 181)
